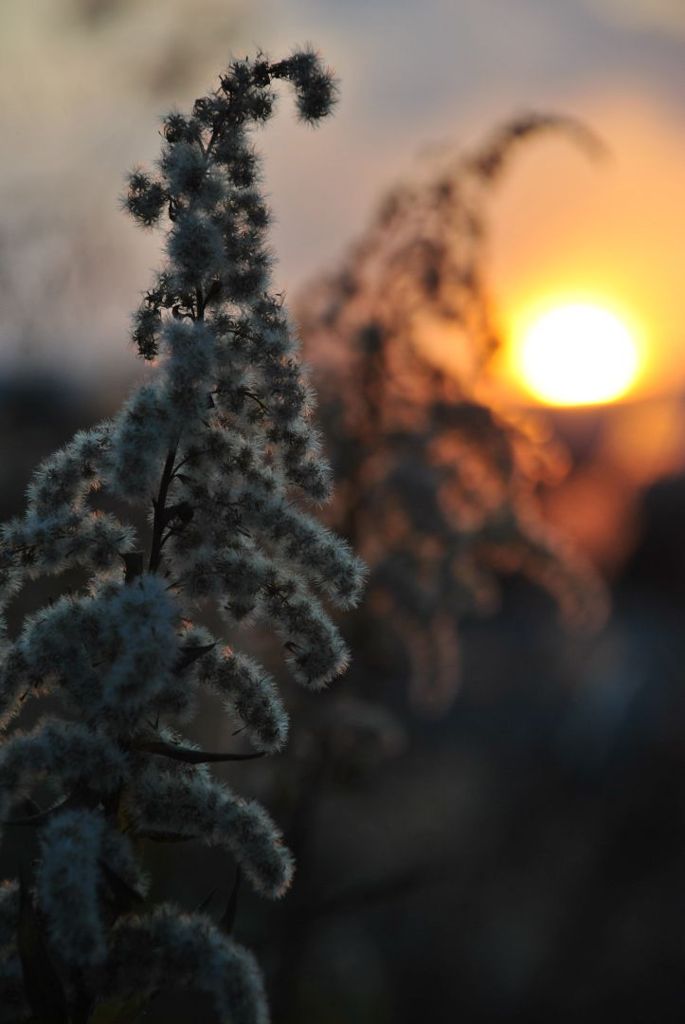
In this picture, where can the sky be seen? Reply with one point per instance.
(84, 81)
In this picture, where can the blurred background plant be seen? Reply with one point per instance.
(436, 478)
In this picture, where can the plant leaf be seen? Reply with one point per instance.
(227, 921)
(81, 797)
(189, 755)
(203, 906)
(164, 837)
(126, 898)
(118, 1011)
(39, 816)
(133, 565)
(42, 983)
(188, 655)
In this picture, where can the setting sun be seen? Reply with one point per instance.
(577, 354)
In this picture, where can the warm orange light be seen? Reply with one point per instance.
(577, 353)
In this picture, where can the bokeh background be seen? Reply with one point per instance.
(519, 856)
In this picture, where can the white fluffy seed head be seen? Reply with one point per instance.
(148, 950)
(220, 437)
(189, 802)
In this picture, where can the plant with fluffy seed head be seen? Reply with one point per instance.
(437, 480)
(221, 436)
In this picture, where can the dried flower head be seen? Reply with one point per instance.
(221, 436)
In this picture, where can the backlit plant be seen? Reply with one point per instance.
(218, 445)
(436, 478)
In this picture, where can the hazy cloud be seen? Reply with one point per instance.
(664, 15)
(83, 82)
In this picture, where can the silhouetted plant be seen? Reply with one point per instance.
(221, 435)
(435, 484)
(435, 479)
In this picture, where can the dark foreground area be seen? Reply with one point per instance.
(521, 858)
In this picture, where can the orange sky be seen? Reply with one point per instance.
(611, 230)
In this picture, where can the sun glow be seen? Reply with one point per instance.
(577, 353)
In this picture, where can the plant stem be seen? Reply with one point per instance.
(160, 510)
